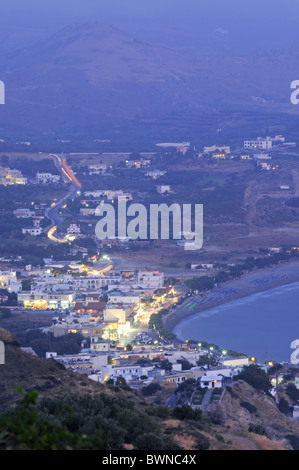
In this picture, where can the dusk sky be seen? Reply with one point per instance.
(188, 23)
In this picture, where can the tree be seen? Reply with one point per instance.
(186, 412)
(166, 365)
(210, 361)
(283, 406)
(293, 392)
(23, 428)
(186, 365)
(149, 441)
(120, 381)
(255, 377)
(26, 284)
(5, 313)
(273, 369)
(150, 389)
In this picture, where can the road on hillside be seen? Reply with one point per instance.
(52, 212)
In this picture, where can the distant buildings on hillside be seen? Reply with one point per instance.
(10, 177)
(267, 143)
(180, 147)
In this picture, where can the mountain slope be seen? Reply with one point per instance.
(92, 75)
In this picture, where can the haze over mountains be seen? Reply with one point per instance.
(91, 76)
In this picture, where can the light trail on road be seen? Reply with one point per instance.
(65, 170)
(51, 236)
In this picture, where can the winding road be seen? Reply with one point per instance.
(52, 212)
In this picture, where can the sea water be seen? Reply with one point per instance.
(261, 325)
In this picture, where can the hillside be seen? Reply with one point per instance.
(22, 370)
(242, 407)
(127, 420)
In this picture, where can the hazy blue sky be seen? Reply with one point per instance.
(176, 22)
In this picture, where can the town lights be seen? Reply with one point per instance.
(252, 359)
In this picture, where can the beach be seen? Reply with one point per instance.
(256, 281)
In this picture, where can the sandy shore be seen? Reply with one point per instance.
(283, 274)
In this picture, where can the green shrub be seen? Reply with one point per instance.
(186, 412)
(249, 407)
(26, 429)
(255, 377)
(257, 429)
(150, 389)
(293, 392)
(283, 406)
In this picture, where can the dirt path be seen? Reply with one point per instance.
(252, 196)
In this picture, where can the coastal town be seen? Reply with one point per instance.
(149, 222)
(122, 318)
(112, 316)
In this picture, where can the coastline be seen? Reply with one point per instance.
(283, 274)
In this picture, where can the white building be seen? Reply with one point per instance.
(44, 300)
(114, 314)
(73, 228)
(161, 189)
(24, 213)
(98, 345)
(8, 281)
(150, 279)
(155, 173)
(83, 362)
(261, 144)
(212, 380)
(216, 148)
(131, 372)
(127, 298)
(235, 361)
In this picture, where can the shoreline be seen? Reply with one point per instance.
(289, 273)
